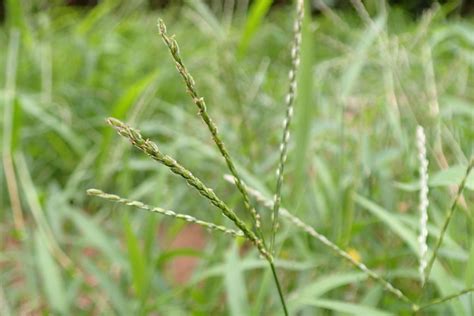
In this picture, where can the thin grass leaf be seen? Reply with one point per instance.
(391, 220)
(32, 199)
(8, 128)
(344, 307)
(258, 10)
(235, 284)
(138, 263)
(50, 275)
(250, 264)
(452, 176)
(95, 236)
(109, 288)
(95, 15)
(30, 106)
(325, 284)
(17, 19)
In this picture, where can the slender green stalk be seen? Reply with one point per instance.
(450, 214)
(151, 149)
(280, 291)
(200, 103)
(143, 206)
(290, 98)
(324, 240)
(446, 298)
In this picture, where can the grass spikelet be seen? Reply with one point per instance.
(424, 202)
(143, 206)
(201, 105)
(151, 149)
(289, 101)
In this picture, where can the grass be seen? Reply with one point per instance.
(351, 177)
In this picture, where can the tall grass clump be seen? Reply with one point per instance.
(255, 231)
(369, 214)
(255, 235)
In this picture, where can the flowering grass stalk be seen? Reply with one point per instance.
(173, 47)
(143, 206)
(290, 98)
(424, 202)
(152, 150)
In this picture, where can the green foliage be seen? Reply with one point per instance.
(352, 170)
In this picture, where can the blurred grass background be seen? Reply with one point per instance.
(365, 83)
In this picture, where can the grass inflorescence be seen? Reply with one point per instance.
(151, 149)
(289, 102)
(143, 206)
(254, 233)
(356, 220)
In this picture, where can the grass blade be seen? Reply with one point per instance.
(8, 129)
(235, 283)
(344, 307)
(51, 276)
(258, 10)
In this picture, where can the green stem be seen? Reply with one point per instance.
(280, 292)
(446, 298)
(448, 219)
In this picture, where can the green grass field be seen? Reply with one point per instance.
(367, 79)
